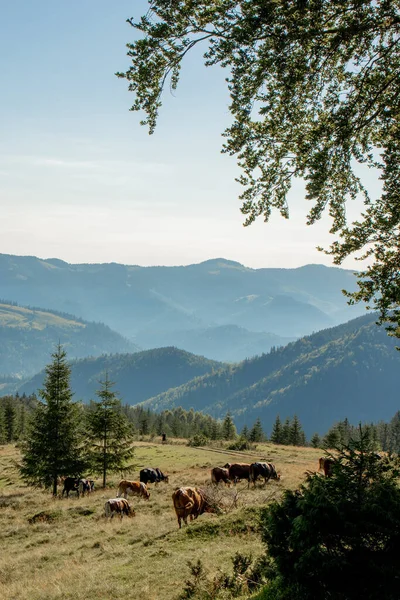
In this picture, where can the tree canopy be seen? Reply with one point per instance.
(314, 91)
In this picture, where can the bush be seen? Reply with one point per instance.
(198, 440)
(338, 537)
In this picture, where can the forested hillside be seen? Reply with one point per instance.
(137, 376)
(29, 335)
(352, 371)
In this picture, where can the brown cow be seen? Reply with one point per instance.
(191, 502)
(118, 506)
(326, 464)
(133, 488)
(220, 474)
(238, 471)
(265, 470)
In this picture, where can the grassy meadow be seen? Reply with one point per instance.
(64, 548)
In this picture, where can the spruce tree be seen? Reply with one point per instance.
(10, 421)
(316, 441)
(228, 428)
(276, 435)
(346, 524)
(297, 437)
(245, 433)
(257, 433)
(286, 432)
(109, 433)
(53, 443)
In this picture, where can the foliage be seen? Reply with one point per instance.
(228, 428)
(256, 433)
(241, 444)
(314, 92)
(109, 433)
(198, 440)
(346, 367)
(53, 444)
(348, 523)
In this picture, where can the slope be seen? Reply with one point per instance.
(137, 376)
(351, 370)
(29, 335)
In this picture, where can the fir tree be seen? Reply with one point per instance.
(286, 432)
(109, 433)
(276, 435)
(228, 428)
(10, 421)
(53, 445)
(257, 433)
(245, 433)
(316, 441)
(296, 436)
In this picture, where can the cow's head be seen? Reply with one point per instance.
(227, 465)
(166, 478)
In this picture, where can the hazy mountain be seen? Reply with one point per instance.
(352, 370)
(28, 337)
(229, 343)
(137, 376)
(170, 300)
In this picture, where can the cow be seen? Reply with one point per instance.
(265, 470)
(71, 484)
(326, 464)
(133, 488)
(85, 486)
(238, 471)
(118, 506)
(191, 502)
(150, 475)
(219, 474)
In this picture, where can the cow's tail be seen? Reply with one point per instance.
(107, 509)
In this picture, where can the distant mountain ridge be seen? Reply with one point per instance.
(154, 304)
(137, 376)
(29, 336)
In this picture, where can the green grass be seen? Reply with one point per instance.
(64, 548)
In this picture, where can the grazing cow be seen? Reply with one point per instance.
(71, 484)
(265, 470)
(150, 475)
(118, 506)
(191, 502)
(85, 486)
(238, 471)
(326, 465)
(220, 474)
(133, 488)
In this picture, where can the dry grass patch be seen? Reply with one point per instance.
(65, 548)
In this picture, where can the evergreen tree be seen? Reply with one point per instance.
(2, 428)
(109, 433)
(395, 433)
(53, 445)
(245, 433)
(215, 431)
(348, 523)
(276, 435)
(286, 432)
(10, 421)
(257, 433)
(297, 436)
(316, 441)
(332, 438)
(228, 428)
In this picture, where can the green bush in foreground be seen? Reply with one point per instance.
(337, 537)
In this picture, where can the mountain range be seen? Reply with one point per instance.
(351, 370)
(218, 308)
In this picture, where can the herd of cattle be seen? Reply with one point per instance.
(187, 501)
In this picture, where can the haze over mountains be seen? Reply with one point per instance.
(190, 322)
(218, 308)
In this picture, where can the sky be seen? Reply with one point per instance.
(82, 181)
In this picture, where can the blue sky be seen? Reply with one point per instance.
(81, 180)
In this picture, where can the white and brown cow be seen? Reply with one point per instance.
(132, 488)
(118, 506)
